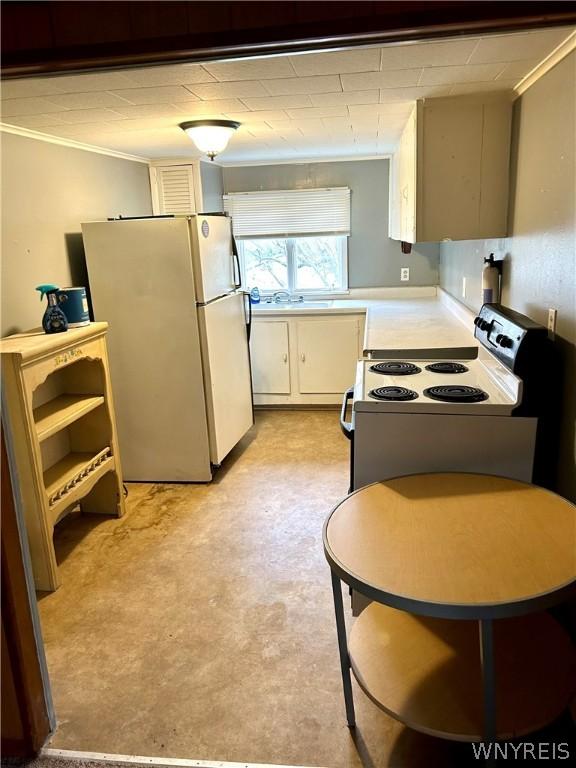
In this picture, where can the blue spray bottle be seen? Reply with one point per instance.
(54, 320)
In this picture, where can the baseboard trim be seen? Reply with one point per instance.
(459, 310)
(114, 759)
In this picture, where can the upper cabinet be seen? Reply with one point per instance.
(186, 187)
(449, 175)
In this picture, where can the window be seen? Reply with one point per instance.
(293, 240)
(296, 264)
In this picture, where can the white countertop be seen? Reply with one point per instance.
(405, 327)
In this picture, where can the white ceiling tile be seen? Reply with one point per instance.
(258, 117)
(172, 74)
(278, 102)
(146, 123)
(493, 85)
(88, 100)
(417, 55)
(472, 73)
(100, 81)
(338, 123)
(309, 127)
(230, 90)
(517, 69)
(535, 45)
(395, 78)
(252, 69)
(367, 110)
(150, 110)
(29, 106)
(388, 95)
(299, 114)
(96, 133)
(36, 121)
(344, 99)
(163, 94)
(89, 115)
(336, 62)
(290, 85)
(259, 129)
(34, 86)
(206, 108)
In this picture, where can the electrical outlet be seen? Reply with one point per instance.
(552, 320)
(463, 287)
(404, 273)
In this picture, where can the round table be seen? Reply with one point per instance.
(460, 568)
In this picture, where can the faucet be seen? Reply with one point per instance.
(280, 297)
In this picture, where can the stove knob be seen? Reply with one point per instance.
(477, 320)
(499, 338)
(484, 325)
(505, 341)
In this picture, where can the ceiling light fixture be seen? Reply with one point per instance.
(210, 136)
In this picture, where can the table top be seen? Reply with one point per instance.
(455, 545)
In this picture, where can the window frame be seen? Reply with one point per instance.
(291, 266)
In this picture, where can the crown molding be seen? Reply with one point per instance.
(38, 136)
(560, 52)
(307, 161)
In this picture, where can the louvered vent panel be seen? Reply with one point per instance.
(176, 189)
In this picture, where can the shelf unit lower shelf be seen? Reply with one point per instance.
(73, 477)
(426, 672)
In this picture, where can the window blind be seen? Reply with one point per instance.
(290, 212)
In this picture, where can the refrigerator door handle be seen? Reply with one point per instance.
(248, 314)
(236, 268)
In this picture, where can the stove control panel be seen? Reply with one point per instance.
(509, 335)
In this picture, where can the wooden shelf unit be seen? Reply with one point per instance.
(59, 416)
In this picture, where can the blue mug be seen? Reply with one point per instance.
(74, 304)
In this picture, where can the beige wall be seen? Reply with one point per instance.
(47, 192)
(540, 261)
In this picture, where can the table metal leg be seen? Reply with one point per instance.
(343, 648)
(488, 679)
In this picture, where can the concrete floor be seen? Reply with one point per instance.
(201, 625)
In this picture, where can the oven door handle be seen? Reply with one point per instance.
(347, 427)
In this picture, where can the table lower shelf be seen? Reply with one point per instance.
(426, 672)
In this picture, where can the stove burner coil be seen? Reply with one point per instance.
(456, 394)
(393, 393)
(395, 368)
(446, 367)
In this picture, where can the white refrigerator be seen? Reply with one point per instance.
(177, 341)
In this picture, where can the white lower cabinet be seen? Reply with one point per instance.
(304, 360)
(270, 357)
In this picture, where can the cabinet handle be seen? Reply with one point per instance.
(303, 357)
(285, 357)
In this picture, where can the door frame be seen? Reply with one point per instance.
(26, 690)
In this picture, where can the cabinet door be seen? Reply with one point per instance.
(270, 358)
(327, 355)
